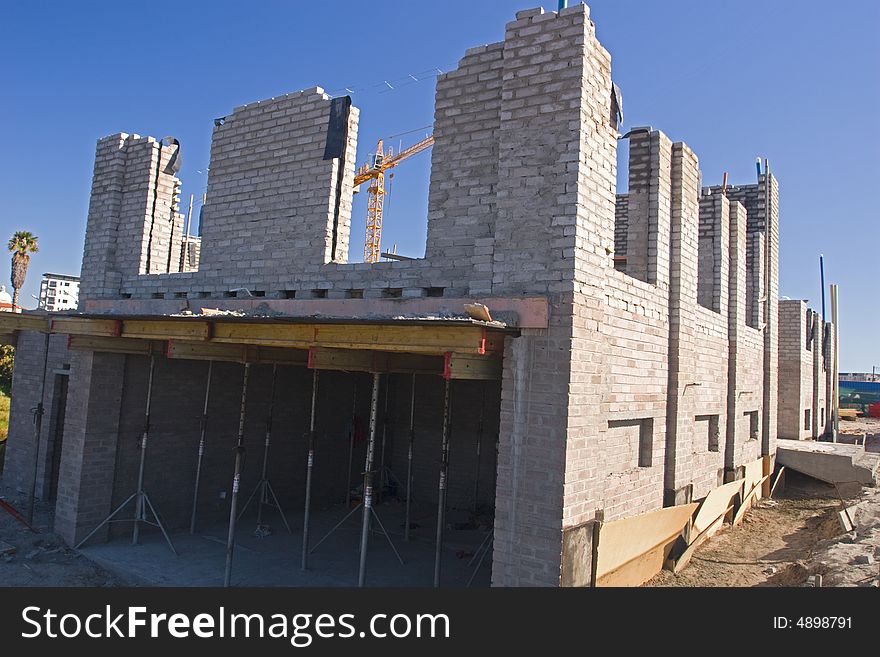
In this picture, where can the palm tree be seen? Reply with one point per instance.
(21, 245)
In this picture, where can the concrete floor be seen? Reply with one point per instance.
(275, 560)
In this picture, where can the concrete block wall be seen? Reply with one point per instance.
(631, 450)
(795, 370)
(27, 382)
(654, 380)
(648, 206)
(621, 226)
(764, 219)
(713, 251)
(464, 165)
(746, 347)
(134, 226)
(91, 435)
(271, 195)
(554, 235)
(681, 406)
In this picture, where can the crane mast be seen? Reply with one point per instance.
(375, 173)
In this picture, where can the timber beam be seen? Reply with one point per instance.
(448, 366)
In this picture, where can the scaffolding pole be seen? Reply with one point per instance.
(369, 512)
(202, 432)
(479, 444)
(409, 458)
(236, 479)
(441, 496)
(351, 445)
(263, 491)
(310, 465)
(368, 482)
(38, 412)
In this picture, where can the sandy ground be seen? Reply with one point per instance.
(42, 559)
(783, 541)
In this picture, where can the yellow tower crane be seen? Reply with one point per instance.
(375, 172)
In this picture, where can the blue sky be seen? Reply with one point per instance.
(796, 82)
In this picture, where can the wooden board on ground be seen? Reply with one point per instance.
(767, 463)
(751, 496)
(701, 538)
(715, 505)
(641, 569)
(780, 478)
(633, 550)
(753, 473)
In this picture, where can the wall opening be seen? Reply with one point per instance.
(712, 431)
(754, 424)
(636, 439)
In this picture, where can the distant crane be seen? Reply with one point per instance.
(375, 172)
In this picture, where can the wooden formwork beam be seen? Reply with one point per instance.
(115, 345)
(464, 345)
(468, 366)
(360, 360)
(239, 353)
(108, 328)
(11, 322)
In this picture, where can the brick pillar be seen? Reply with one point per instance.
(736, 321)
(554, 235)
(684, 231)
(464, 166)
(771, 331)
(133, 224)
(88, 460)
(647, 226)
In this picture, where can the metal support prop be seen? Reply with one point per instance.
(409, 459)
(311, 463)
(142, 500)
(236, 479)
(368, 481)
(441, 495)
(479, 444)
(38, 412)
(482, 551)
(267, 496)
(203, 431)
(369, 513)
(351, 446)
(382, 474)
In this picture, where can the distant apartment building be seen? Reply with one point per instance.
(59, 292)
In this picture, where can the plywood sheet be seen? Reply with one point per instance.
(698, 540)
(639, 570)
(622, 541)
(750, 497)
(753, 473)
(715, 505)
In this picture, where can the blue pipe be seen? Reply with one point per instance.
(822, 277)
(563, 4)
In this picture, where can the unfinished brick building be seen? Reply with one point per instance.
(631, 363)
